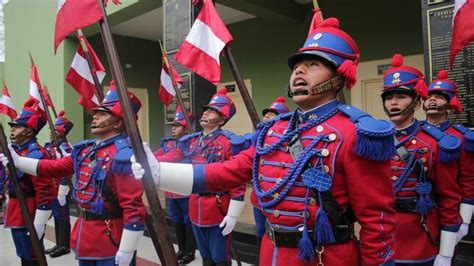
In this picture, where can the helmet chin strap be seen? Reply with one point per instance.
(410, 108)
(437, 108)
(334, 83)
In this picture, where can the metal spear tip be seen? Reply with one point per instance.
(31, 58)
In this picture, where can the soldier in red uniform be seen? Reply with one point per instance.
(39, 192)
(315, 170)
(423, 173)
(60, 206)
(178, 205)
(210, 212)
(276, 108)
(112, 214)
(443, 97)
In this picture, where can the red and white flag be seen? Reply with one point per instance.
(72, 15)
(80, 78)
(35, 84)
(167, 91)
(6, 104)
(201, 49)
(47, 99)
(463, 27)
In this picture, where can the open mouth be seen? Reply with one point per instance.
(432, 106)
(395, 111)
(299, 84)
(203, 120)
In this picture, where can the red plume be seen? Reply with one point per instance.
(443, 74)
(222, 91)
(280, 99)
(397, 60)
(61, 113)
(348, 71)
(330, 22)
(455, 105)
(317, 19)
(421, 89)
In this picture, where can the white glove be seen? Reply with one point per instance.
(4, 158)
(62, 194)
(462, 232)
(123, 258)
(128, 244)
(138, 170)
(442, 261)
(24, 164)
(63, 151)
(230, 220)
(41, 218)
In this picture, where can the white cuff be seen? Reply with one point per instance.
(129, 240)
(235, 208)
(466, 212)
(447, 243)
(42, 217)
(63, 190)
(177, 178)
(27, 165)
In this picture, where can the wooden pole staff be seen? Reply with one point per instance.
(98, 87)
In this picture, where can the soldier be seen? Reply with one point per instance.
(423, 164)
(38, 192)
(315, 170)
(210, 212)
(277, 107)
(178, 205)
(443, 97)
(112, 214)
(60, 206)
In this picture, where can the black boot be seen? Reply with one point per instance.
(190, 246)
(208, 262)
(180, 230)
(24, 262)
(226, 263)
(63, 241)
(57, 233)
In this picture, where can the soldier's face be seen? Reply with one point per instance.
(19, 134)
(269, 116)
(306, 74)
(397, 102)
(435, 103)
(211, 118)
(105, 124)
(177, 131)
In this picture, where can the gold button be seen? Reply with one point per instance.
(425, 149)
(332, 137)
(265, 145)
(312, 201)
(278, 180)
(324, 152)
(394, 178)
(276, 213)
(287, 148)
(260, 177)
(284, 131)
(282, 164)
(308, 215)
(319, 129)
(301, 229)
(107, 159)
(326, 168)
(396, 158)
(413, 141)
(218, 154)
(275, 195)
(426, 169)
(104, 167)
(262, 162)
(270, 132)
(277, 226)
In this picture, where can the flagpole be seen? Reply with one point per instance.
(159, 225)
(340, 95)
(98, 87)
(244, 92)
(35, 242)
(45, 90)
(176, 90)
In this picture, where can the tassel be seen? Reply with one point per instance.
(305, 247)
(97, 206)
(455, 105)
(322, 231)
(421, 89)
(425, 203)
(375, 139)
(348, 71)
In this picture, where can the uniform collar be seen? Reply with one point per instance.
(316, 112)
(106, 142)
(441, 126)
(211, 134)
(409, 130)
(24, 145)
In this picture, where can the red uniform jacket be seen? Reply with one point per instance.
(358, 182)
(103, 185)
(207, 209)
(39, 192)
(413, 244)
(167, 145)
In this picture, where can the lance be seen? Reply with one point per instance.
(46, 92)
(340, 94)
(98, 87)
(175, 87)
(159, 222)
(21, 198)
(244, 92)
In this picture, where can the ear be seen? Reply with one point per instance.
(418, 104)
(119, 124)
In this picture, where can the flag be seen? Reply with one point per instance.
(47, 99)
(201, 49)
(6, 104)
(80, 78)
(72, 15)
(463, 27)
(34, 92)
(167, 91)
